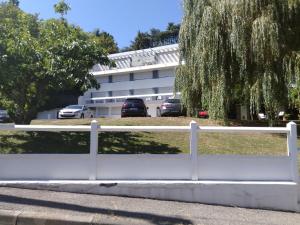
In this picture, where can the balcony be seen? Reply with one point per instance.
(142, 83)
(116, 100)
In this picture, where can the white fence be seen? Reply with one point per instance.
(192, 166)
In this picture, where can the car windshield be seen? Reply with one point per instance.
(136, 101)
(74, 107)
(172, 101)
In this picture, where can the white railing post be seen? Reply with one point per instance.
(292, 149)
(93, 150)
(194, 149)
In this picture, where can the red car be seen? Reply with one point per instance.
(203, 114)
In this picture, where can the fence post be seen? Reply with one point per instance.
(194, 149)
(293, 149)
(93, 150)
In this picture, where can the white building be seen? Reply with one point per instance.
(147, 74)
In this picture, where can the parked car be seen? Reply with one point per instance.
(134, 107)
(4, 117)
(171, 107)
(261, 116)
(203, 114)
(75, 111)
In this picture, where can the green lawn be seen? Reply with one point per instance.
(142, 142)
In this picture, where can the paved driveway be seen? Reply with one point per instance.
(95, 209)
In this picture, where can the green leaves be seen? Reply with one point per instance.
(42, 60)
(238, 52)
(62, 8)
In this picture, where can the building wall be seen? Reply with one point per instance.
(117, 84)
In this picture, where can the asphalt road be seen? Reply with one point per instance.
(122, 210)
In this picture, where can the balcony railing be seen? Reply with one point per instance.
(116, 99)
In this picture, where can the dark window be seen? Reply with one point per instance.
(131, 77)
(134, 100)
(109, 95)
(131, 92)
(155, 90)
(173, 100)
(110, 79)
(155, 74)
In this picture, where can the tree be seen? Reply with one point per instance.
(105, 40)
(62, 8)
(155, 37)
(238, 52)
(141, 41)
(14, 2)
(39, 59)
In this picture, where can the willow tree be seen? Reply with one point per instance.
(239, 52)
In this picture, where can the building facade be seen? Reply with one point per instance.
(148, 74)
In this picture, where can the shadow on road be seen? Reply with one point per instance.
(150, 217)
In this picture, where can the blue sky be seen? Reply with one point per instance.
(121, 18)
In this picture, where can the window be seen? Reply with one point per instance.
(155, 90)
(110, 79)
(131, 77)
(109, 95)
(155, 74)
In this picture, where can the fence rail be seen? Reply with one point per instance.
(202, 129)
(283, 168)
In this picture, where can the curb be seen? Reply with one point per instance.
(10, 217)
(13, 217)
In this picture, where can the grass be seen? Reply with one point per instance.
(142, 142)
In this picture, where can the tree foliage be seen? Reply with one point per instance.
(62, 8)
(155, 37)
(239, 51)
(14, 2)
(105, 40)
(39, 59)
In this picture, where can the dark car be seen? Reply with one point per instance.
(134, 107)
(4, 118)
(171, 107)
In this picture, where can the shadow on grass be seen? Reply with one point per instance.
(79, 142)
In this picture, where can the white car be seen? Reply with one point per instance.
(75, 111)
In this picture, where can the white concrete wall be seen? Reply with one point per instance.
(50, 114)
(120, 78)
(164, 81)
(166, 73)
(127, 85)
(102, 79)
(116, 111)
(254, 194)
(145, 166)
(44, 166)
(247, 181)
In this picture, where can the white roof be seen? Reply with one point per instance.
(163, 56)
